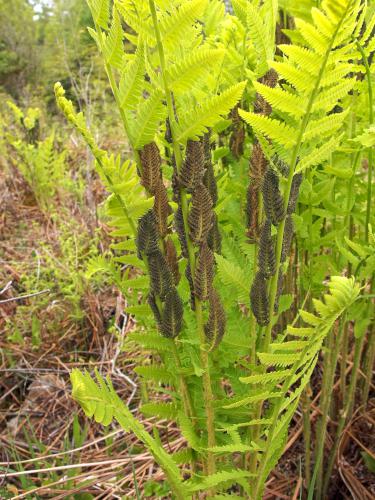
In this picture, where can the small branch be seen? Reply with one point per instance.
(21, 297)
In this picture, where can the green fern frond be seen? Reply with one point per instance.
(194, 123)
(185, 74)
(150, 114)
(325, 126)
(320, 154)
(260, 37)
(209, 482)
(155, 373)
(233, 276)
(151, 341)
(100, 12)
(101, 401)
(265, 378)
(175, 24)
(188, 431)
(166, 411)
(132, 80)
(112, 46)
(260, 396)
(274, 129)
(282, 100)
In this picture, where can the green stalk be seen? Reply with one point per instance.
(329, 370)
(346, 413)
(306, 401)
(206, 379)
(369, 364)
(371, 341)
(370, 152)
(349, 224)
(306, 409)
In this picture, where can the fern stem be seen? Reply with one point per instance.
(329, 370)
(306, 409)
(206, 379)
(346, 412)
(371, 353)
(370, 151)
(369, 365)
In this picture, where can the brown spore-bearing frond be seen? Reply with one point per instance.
(162, 209)
(189, 278)
(261, 106)
(180, 230)
(151, 167)
(160, 275)
(266, 255)
(192, 170)
(206, 141)
(172, 259)
(168, 132)
(288, 238)
(294, 192)
(147, 235)
(200, 217)
(173, 311)
(236, 141)
(210, 182)
(214, 236)
(281, 166)
(252, 212)
(151, 299)
(204, 272)
(258, 163)
(237, 138)
(259, 299)
(270, 78)
(234, 115)
(214, 329)
(272, 199)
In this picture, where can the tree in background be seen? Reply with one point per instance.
(19, 47)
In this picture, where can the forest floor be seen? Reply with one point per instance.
(48, 449)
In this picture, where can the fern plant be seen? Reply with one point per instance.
(39, 162)
(233, 380)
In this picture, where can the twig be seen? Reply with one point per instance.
(21, 297)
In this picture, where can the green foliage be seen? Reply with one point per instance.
(178, 81)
